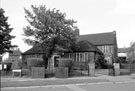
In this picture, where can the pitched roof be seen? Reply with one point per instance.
(99, 39)
(86, 46)
(38, 50)
(94, 39)
(33, 50)
(123, 50)
(15, 53)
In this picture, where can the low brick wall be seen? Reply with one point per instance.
(106, 71)
(26, 72)
(38, 72)
(5, 73)
(124, 66)
(102, 71)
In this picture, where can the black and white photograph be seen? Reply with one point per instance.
(67, 45)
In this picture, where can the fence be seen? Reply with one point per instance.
(132, 66)
(124, 69)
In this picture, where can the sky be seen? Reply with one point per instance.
(92, 16)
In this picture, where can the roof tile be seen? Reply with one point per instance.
(99, 39)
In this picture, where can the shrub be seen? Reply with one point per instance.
(81, 66)
(110, 66)
(35, 63)
(100, 63)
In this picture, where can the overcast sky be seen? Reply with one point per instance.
(92, 16)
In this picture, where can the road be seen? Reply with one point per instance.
(102, 86)
(47, 82)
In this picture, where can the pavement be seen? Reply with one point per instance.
(25, 82)
(16, 82)
(127, 86)
(97, 83)
(97, 76)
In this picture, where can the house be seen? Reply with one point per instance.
(106, 42)
(132, 52)
(123, 54)
(36, 54)
(10, 57)
(91, 46)
(86, 51)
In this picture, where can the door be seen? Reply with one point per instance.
(56, 61)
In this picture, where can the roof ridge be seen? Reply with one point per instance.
(99, 33)
(99, 38)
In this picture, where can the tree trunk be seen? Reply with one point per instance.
(45, 59)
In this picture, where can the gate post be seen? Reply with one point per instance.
(91, 64)
(116, 69)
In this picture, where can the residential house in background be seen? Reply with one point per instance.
(123, 54)
(132, 51)
(106, 42)
(10, 57)
(34, 53)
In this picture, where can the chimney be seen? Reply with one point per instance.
(114, 32)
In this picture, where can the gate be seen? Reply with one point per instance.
(79, 69)
(124, 69)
